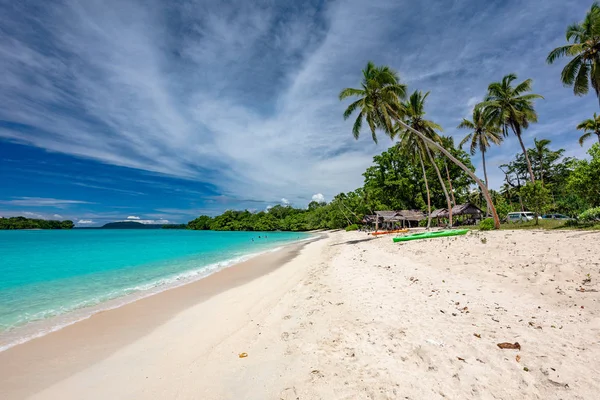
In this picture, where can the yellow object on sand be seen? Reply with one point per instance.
(243, 355)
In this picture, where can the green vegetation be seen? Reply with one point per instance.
(486, 225)
(589, 126)
(536, 198)
(591, 215)
(583, 43)
(539, 178)
(28, 223)
(511, 107)
(353, 227)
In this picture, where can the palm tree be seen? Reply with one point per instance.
(414, 113)
(378, 99)
(448, 143)
(511, 107)
(484, 133)
(589, 126)
(584, 47)
(543, 158)
(411, 146)
(388, 104)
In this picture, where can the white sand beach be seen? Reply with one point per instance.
(348, 317)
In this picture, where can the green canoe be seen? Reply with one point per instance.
(430, 235)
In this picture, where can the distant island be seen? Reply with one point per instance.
(139, 225)
(14, 223)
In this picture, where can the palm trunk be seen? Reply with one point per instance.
(449, 182)
(437, 171)
(487, 183)
(462, 166)
(526, 157)
(427, 189)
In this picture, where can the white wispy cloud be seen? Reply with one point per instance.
(133, 217)
(42, 202)
(85, 222)
(243, 96)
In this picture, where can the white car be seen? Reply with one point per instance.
(521, 216)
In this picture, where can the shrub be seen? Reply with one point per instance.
(487, 224)
(572, 223)
(591, 215)
(353, 227)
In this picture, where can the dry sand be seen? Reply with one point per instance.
(349, 317)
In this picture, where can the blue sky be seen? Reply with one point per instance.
(164, 110)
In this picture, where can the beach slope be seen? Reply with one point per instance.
(353, 316)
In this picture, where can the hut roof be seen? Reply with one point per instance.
(386, 214)
(439, 213)
(463, 209)
(412, 215)
(403, 215)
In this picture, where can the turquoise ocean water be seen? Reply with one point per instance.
(49, 279)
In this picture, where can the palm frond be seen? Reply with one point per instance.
(581, 84)
(466, 124)
(351, 108)
(569, 72)
(357, 126)
(558, 52)
(584, 137)
(350, 92)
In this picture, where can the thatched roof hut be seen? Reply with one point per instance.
(439, 213)
(467, 209)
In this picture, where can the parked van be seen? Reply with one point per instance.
(521, 216)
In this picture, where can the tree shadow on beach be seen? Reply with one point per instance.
(355, 241)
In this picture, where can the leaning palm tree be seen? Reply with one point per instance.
(413, 149)
(378, 100)
(414, 113)
(484, 133)
(584, 43)
(512, 107)
(381, 99)
(589, 126)
(448, 143)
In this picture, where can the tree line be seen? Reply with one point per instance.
(29, 223)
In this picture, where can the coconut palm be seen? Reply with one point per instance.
(589, 126)
(379, 102)
(413, 149)
(584, 47)
(544, 158)
(414, 113)
(512, 107)
(448, 143)
(378, 99)
(484, 133)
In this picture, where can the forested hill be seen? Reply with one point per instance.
(28, 223)
(138, 225)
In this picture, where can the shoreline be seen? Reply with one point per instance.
(42, 327)
(106, 331)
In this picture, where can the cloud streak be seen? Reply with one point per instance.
(243, 96)
(42, 202)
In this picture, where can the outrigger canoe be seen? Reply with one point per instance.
(431, 235)
(386, 232)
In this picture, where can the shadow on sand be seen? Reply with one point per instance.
(355, 241)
